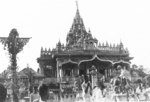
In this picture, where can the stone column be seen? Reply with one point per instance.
(61, 73)
(58, 74)
(77, 70)
(110, 71)
(41, 67)
(87, 70)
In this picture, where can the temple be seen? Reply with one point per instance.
(66, 62)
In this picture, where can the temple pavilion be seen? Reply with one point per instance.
(64, 63)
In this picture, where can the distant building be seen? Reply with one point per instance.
(28, 75)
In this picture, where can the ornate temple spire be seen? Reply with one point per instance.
(77, 29)
(77, 13)
(77, 4)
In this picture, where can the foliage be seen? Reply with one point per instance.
(3, 93)
(5, 74)
(141, 68)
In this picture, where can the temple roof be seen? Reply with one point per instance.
(79, 41)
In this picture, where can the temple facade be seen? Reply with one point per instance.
(66, 62)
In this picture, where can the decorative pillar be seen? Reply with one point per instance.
(87, 70)
(78, 70)
(105, 74)
(57, 67)
(110, 71)
(14, 44)
(42, 67)
(61, 73)
(72, 72)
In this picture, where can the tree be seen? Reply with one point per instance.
(134, 66)
(3, 93)
(5, 73)
(141, 67)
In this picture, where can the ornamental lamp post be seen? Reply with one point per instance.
(14, 45)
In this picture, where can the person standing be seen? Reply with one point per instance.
(35, 95)
(44, 93)
(97, 95)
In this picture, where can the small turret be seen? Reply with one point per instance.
(127, 50)
(49, 50)
(59, 45)
(41, 49)
(107, 44)
(114, 46)
(121, 48)
(99, 44)
(110, 46)
(45, 49)
(103, 45)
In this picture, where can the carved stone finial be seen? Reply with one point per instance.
(110, 46)
(28, 65)
(77, 5)
(49, 50)
(107, 44)
(99, 44)
(103, 45)
(41, 49)
(89, 30)
(114, 46)
(45, 49)
(13, 33)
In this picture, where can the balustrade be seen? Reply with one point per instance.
(68, 79)
(51, 80)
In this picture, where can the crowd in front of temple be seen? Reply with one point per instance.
(38, 94)
(120, 87)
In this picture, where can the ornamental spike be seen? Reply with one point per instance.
(41, 49)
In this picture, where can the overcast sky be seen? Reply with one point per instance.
(48, 21)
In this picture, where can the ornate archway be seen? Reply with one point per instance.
(103, 66)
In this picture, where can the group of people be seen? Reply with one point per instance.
(87, 93)
(39, 94)
(42, 94)
(121, 88)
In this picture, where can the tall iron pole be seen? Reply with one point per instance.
(14, 45)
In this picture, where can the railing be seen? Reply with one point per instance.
(51, 80)
(69, 79)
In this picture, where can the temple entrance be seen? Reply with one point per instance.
(103, 67)
(82, 72)
(101, 71)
